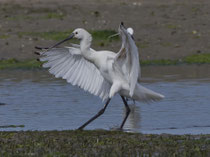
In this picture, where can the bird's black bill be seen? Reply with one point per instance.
(70, 37)
(122, 25)
(41, 48)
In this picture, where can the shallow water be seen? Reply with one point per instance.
(38, 101)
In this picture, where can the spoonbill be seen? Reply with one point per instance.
(102, 73)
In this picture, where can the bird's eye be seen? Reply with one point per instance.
(76, 32)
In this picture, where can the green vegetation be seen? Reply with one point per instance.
(172, 26)
(198, 58)
(160, 62)
(101, 143)
(12, 126)
(203, 58)
(31, 64)
(103, 34)
(15, 64)
(4, 36)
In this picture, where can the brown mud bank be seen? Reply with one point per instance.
(163, 29)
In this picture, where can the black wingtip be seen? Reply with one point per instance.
(37, 53)
(41, 48)
(132, 37)
(37, 47)
(38, 60)
(122, 25)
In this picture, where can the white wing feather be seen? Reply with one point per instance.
(69, 64)
(128, 59)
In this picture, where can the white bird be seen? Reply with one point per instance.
(102, 73)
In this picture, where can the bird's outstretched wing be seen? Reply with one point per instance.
(128, 59)
(69, 64)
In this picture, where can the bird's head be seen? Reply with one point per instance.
(130, 30)
(80, 33)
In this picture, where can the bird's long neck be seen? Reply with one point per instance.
(85, 44)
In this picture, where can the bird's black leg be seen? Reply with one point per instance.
(96, 116)
(127, 112)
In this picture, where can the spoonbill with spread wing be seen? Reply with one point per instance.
(102, 73)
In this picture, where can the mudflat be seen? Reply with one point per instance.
(163, 29)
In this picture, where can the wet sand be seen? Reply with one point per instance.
(163, 29)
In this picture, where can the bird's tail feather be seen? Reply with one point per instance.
(146, 95)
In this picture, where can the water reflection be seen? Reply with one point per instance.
(133, 122)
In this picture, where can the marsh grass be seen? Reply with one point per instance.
(34, 64)
(198, 58)
(16, 64)
(12, 126)
(161, 62)
(4, 36)
(101, 143)
(172, 26)
(202, 58)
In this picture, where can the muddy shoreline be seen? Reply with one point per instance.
(101, 143)
(163, 29)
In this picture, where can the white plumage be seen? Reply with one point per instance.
(102, 73)
(68, 63)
